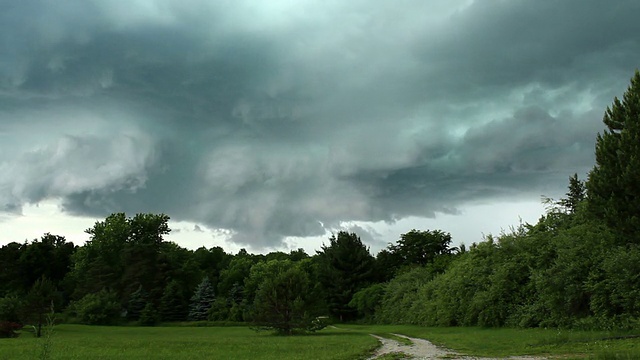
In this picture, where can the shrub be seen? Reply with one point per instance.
(9, 306)
(8, 329)
(99, 308)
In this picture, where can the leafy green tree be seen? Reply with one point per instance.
(50, 256)
(400, 294)
(297, 255)
(201, 301)
(283, 301)
(615, 288)
(235, 274)
(12, 277)
(421, 247)
(98, 264)
(121, 254)
(99, 308)
(10, 308)
(613, 187)
(367, 301)
(345, 267)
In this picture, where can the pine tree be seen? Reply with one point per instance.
(201, 301)
(149, 316)
(137, 302)
(345, 267)
(613, 187)
(575, 195)
(173, 304)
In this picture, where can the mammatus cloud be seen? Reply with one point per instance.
(278, 119)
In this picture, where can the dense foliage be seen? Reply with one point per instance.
(578, 266)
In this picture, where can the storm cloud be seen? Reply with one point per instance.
(286, 118)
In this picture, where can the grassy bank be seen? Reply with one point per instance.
(113, 342)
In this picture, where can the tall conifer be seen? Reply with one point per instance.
(614, 183)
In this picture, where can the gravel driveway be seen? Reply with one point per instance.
(423, 349)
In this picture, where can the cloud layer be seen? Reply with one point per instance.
(284, 118)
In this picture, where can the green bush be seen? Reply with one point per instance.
(101, 308)
(9, 306)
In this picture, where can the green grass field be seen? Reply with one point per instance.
(98, 342)
(346, 342)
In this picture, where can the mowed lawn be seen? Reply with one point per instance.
(114, 342)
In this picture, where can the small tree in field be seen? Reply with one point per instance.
(38, 303)
(284, 301)
(201, 301)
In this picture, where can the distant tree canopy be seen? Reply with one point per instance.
(421, 247)
(122, 254)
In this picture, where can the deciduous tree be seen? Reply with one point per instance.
(283, 301)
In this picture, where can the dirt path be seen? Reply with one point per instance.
(423, 349)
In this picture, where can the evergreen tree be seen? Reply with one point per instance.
(345, 267)
(201, 301)
(137, 302)
(575, 195)
(173, 305)
(149, 315)
(614, 183)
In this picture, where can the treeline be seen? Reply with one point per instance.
(578, 266)
(128, 272)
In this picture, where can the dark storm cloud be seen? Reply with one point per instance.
(284, 119)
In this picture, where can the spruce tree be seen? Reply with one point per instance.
(345, 267)
(201, 301)
(575, 195)
(137, 302)
(173, 304)
(613, 187)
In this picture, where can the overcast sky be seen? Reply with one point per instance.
(269, 124)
